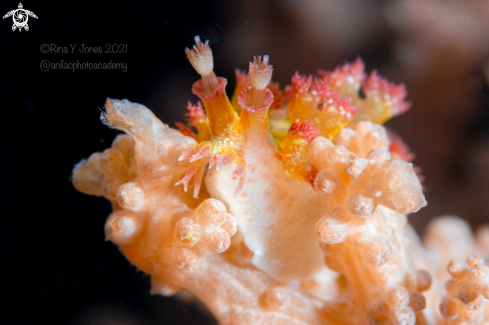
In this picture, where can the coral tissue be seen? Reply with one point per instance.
(285, 207)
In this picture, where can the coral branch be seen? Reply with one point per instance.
(363, 138)
(306, 227)
(363, 240)
(464, 303)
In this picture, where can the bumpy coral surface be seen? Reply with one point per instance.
(297, 209)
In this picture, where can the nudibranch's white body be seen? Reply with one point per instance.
(275, 212)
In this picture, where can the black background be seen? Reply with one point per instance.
(55, 267)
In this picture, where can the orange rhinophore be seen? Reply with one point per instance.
(297, 212)
(243, 81)
(211, 89)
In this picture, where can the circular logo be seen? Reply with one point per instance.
(20, 17)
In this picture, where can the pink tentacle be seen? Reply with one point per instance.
(187, 154)
(190, 172)
(214, 160)
(198, 180)
(224, 160)
(241, 181)
(203, 152)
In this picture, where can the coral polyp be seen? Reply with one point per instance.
(297, 209)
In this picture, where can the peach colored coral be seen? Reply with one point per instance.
(297, 210)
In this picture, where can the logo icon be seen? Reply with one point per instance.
(20, 17)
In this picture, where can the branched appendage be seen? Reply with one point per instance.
(380, 100)
(383, 101)
(313, 100)
(346, 79)
(217, 152)
(294, 151)
(195, 118)
(363, 238)
(466, 292)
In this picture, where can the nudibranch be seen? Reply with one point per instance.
(296, 212)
